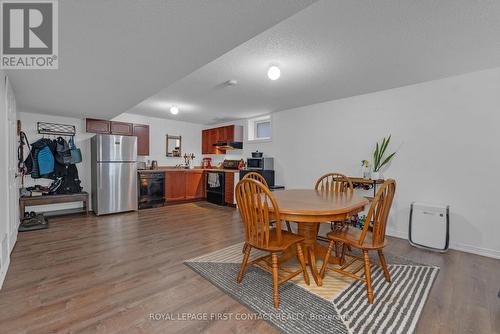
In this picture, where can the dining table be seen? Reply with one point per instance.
(308, 208)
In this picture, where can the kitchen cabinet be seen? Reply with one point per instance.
(142, 133)
(229, 133)
(122, 128)
(229, 188)
(181, 185)
(175, 185)
(208, 138)
(214, 136)
(221, 134)
(205, 141)
(98, 125)
(195, 185)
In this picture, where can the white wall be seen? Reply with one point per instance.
(159, 128)
(447, 138)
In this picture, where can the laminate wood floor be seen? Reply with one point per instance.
(110, 274)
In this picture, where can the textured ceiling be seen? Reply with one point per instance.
(335, 49)
(115, 53)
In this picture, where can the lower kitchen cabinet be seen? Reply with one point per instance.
(229, 188)
(184, 185)
(195, 185)
(175, 186)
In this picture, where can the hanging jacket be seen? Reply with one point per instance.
(32, 161)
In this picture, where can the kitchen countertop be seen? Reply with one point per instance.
(196, 169)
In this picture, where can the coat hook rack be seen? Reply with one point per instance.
(56, 129)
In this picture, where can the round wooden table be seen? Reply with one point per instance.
(308, 208)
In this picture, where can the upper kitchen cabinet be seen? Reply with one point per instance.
(98, 125)
(142, 133)
(219, 140)
(121, 128)
(205, 142)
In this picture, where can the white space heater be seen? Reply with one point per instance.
(429, 226)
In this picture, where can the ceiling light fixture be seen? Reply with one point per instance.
(231, 82)
(274, 73)
(174, 110)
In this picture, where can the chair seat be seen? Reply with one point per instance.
(350, 236)
(287, 239)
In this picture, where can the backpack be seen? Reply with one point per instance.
(68, 183)
(62, 152)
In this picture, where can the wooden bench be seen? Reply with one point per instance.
(54, 199)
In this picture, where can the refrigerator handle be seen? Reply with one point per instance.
(100, 176)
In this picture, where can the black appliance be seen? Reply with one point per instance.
(257, 164)
(151, 189)
(267, 174)
(230, 164)
(215, 187)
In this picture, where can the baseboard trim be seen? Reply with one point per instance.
(476, 250)
(5, 268)
(454, 245)
(12, 241)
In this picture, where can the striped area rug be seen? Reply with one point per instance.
(339, 306)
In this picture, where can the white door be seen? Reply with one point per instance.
(13, 182)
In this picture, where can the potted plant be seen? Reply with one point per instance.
(378, 158)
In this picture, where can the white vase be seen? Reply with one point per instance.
(376, 175)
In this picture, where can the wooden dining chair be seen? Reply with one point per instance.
(364, 239)
(334, 183)
(258, 177)
(257, 207)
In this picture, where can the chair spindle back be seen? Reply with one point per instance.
(379, 211)
(334, 183)
(254, 202)
(257, 177)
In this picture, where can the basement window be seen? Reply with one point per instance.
(259, 128)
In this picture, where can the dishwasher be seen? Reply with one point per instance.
(151, 189)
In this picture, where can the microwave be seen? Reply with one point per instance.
(260, 163)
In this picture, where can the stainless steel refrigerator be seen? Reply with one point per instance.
(114, 173)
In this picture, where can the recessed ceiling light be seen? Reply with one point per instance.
(274, 73)
(174, 110)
